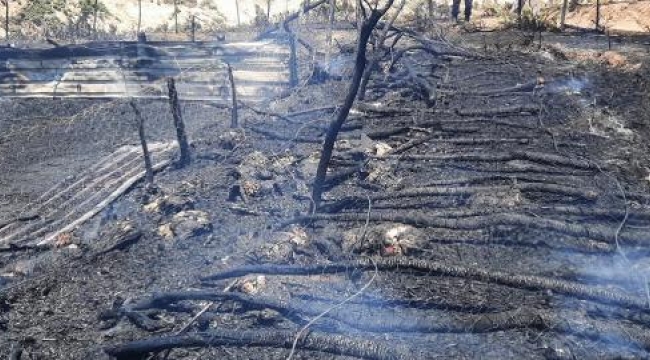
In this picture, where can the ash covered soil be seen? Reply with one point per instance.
(498, 223)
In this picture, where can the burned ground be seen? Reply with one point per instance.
(497, 225)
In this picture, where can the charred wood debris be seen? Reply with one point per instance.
(445, 164)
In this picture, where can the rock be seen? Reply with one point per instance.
(282, 245)
(264, 175)
(388, 239)
(381, 149)
(191, 223)
(307, 167)
(251, 285)
(166, 231)
(230, 139)
(170, 204)
(117, 236)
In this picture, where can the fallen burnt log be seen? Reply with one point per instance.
(434, 268)
(273, 135)
(555, 189)
(593, 231)
(520, 88)
(499, 111)
(543, 158)
(434, 138)
(315, 341)
(509, 179)
(373, 318)
(585, 213)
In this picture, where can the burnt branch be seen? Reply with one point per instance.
(594, 231)
(537, 157)
(369, 318)
(328, 343)
(555, 189)
(434, 268)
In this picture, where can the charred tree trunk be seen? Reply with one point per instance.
(178, 123)
(374, 59)
(139, 16)
(95, 9)
(597, 15)
(332, 133)
(565, 4)
(237, 8)
(148, 167)
(328, 54)
(176, 16)
(234, 120)
(7, 20)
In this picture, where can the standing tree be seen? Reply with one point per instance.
(379, 44)
(328, 54)
(139, 16)
(597, 15)
(237, 7)
(268, 10)
(6, 3)
(565, 5)
(95, 10)
(370, 14)
(176, 11)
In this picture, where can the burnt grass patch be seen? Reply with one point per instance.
(489, 226)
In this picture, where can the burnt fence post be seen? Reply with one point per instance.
(234, 120)
(293, 61)
(178, 123)
(145, 150)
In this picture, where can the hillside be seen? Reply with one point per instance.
(121, 16)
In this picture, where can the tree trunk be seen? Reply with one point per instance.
(237, 7)
(374, 60)
(268, 10)
(139, 16)
(234, 121)
(176, 16)
(565, 4)
(332, 133)
(148, 167)
(430, 11)
(95, 9)
(597, 15)
(178, 123)
(328, 54)
(7, 20)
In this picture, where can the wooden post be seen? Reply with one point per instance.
(178, 123)
(176, 16)
(597, 15)
(565, 4)
(95, 9)
(237, 7)
(7, 20)
(148, 167)
(328, 53)
(234, 119)
(193, 28)
(139, 16)
(293, 61)
(609, 41)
